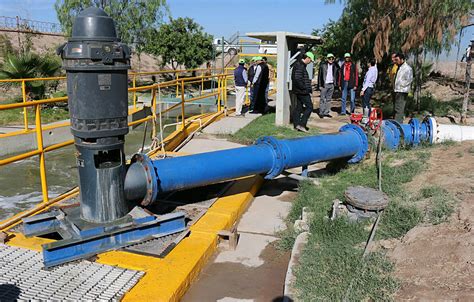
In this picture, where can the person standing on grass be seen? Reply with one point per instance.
(402, 87)
(301, 87)
(368, 87)
(327, 78)
(348, 81)
(240, 80)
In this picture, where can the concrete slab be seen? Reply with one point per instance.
(230, 124)
(248, 250)
(265, 216)
(201, 145)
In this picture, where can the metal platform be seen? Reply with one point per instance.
(22, 277)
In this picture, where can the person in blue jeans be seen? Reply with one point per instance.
(368, 87)
(348, 81)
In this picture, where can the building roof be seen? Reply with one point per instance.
(272, 36)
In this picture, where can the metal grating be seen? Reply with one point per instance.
(22, 277)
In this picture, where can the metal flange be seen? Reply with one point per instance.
(363, 140)
(279, 158)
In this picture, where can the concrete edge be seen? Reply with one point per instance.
(289, 293)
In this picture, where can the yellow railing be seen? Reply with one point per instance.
(220, 92)
(177, 85)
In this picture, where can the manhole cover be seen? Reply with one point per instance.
(366, 198)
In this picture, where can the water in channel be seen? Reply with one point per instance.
(20, 184)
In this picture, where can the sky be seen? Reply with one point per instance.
(226, 17)
(218, 17)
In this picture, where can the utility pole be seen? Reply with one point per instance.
(465, 102)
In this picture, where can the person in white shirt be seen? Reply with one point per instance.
(368, 87)
(402, 87)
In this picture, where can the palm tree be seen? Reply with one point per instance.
(29, 65)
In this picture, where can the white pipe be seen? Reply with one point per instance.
(455, 133)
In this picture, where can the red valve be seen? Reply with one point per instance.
(356, 118)
(375, 118)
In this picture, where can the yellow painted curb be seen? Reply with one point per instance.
(168, 279)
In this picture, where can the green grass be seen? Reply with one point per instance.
(441, 204)
(265, 126)
(332, 267)
(48, 115)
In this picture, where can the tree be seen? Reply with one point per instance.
(29, 65)
(135, 19)
(413, 26)
(338, 35)
(181, 42)
(417, 26)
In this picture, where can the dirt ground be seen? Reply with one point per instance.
(436, 262)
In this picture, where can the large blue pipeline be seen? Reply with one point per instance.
(147, 178)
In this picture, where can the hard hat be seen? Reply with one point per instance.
(259, 58)
(254, 58)
(330, 55)
(347, 55)
(241, 61)
(310, 55)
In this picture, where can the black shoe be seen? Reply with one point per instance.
(328, 115)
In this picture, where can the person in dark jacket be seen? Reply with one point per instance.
(327, 81)
(260, 83)
(348, 81)
(301, 87)
(251, 74)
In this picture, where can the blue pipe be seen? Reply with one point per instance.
(411, 134)
(147, 178)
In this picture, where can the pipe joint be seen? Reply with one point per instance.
(391, 135)
(141, 183)
(363, 140)
(279, 157)
(430, 128)
(415, 131)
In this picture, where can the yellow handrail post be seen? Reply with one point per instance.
(202, 82)
(153, 106)
(134, 93)
(177, 84)
(219, 93)
(182, 102)
(225, 92)
(39, 140)
(247, 95)
(25, 109)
